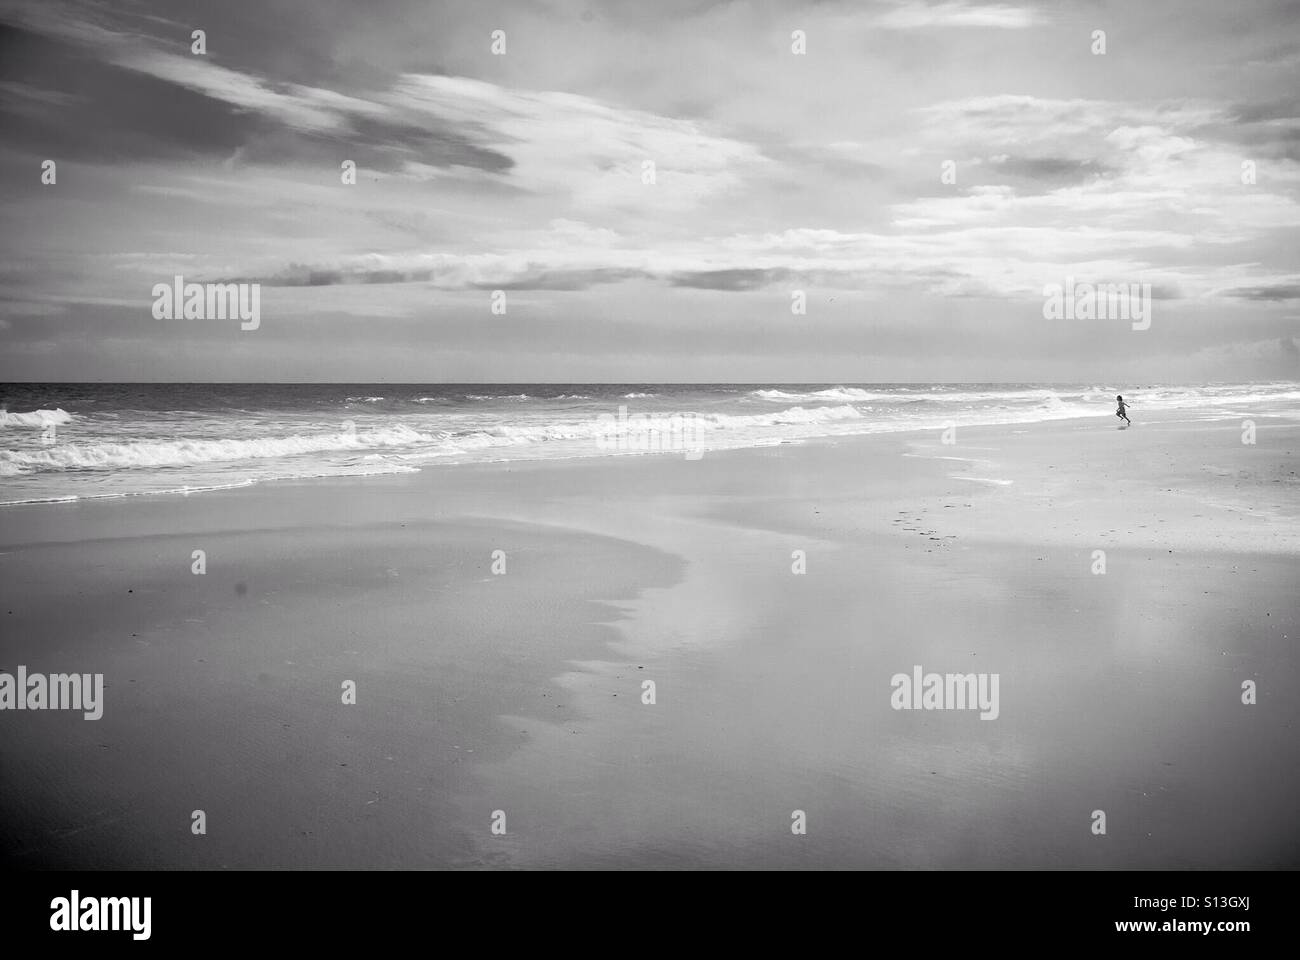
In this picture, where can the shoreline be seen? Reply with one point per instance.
(30, 523)
(438, 463)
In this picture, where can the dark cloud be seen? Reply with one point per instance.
(1272, 292)
(534, 277)
(1268, 129)
(99, 112)
(747, 279)
(1283, 108)
(286, 41)
(562, 279)
(106, 113)
(303, 275)
(388, 149)
(1049, 172)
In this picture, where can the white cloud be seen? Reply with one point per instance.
(912, 15)
(591, 152)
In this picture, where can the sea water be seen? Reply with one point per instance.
(75, 441)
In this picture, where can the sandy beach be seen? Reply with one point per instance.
(522, 691)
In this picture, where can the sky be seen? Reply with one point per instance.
(919, 171)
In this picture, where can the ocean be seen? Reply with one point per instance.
(75, 441)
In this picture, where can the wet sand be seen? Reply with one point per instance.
(522, 692)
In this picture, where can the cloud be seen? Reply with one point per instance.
(1146, 165)
(741, 279)
(915, 15)
(1044, 171)
(529, 172)
(1271, 292)
(598, 155)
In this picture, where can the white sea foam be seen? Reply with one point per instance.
(110, 450)
(184, 452)
(36, 418)
(851, 394)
